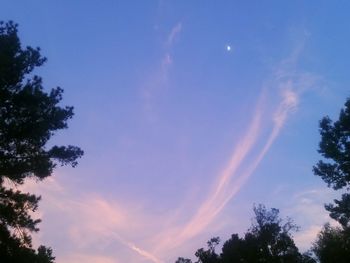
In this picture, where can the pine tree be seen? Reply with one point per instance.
(335, 148)
(29, 117)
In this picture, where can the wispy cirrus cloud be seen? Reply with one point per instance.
(144, 253)
(98, 222)
(217, 199)
(233, 176)
(175, 31)
(93, 221)
(159, 77)
(307, 206)
(290, 84)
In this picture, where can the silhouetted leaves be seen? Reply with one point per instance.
(335, 148)
(332, 245)
(29, 117)
(183, 260)
(268, 240)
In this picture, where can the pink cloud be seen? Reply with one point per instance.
(175, 31)
(230, 181)
(96, 222)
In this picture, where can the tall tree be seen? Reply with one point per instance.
(29, 117)
(333, 243)
(335, 169)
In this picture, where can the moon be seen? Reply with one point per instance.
(228, 48)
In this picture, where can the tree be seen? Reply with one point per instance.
(332, 245)
(183, 260)
(335, 148)
(209, 255)
(269, 239)
(29, 117)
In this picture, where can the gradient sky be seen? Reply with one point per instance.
(182, 135)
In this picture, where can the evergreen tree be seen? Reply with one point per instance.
(29, 117)
(335, 148)
(333, 243)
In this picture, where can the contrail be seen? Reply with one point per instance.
(288, 104)
(217, 199)
(145, 254)
(228, 183)
(229, 180)
(214, 203)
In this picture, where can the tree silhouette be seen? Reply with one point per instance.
(269, 240)
(183, 260)
(209, 255)
(335, 148)
(29, 117)
(333, 243)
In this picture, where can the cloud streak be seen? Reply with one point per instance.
(175, 31)
(307, 206)
(113, 219)
(92, 221)
(158, 79)
(143, 253)
(234, 175)
(231, 179)
(215, 202)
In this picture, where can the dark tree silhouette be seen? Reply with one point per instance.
(29, 116)
(183, 260)
(268, 240)
(335, 148)
(332, 245)
(209, 255)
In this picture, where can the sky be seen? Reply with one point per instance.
(189, 113)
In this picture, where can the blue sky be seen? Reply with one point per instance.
(181, 135)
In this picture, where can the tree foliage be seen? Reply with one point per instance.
(183, 260)
(29, 117)
(209, 255)
(269, 239)
(332, 245)
(335, 171)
